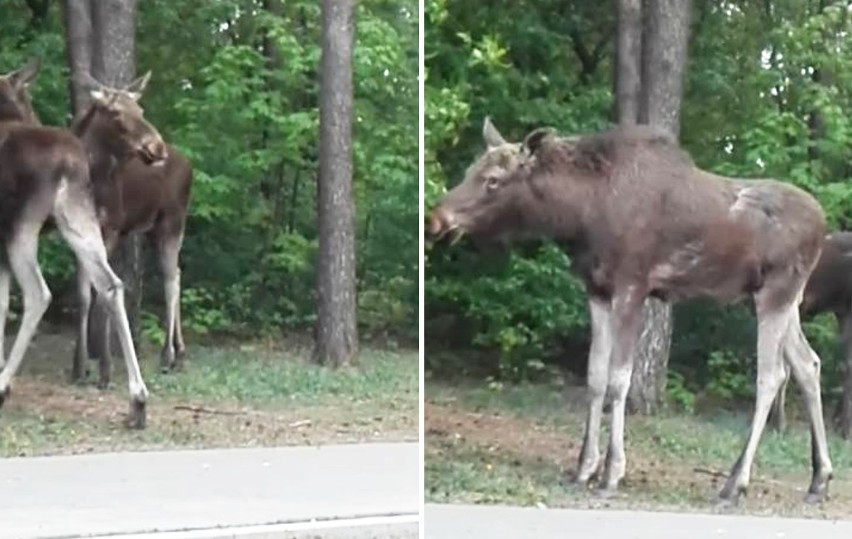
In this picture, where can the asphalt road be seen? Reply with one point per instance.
(495, 522)
(358, 490)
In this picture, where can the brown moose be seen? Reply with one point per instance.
(132, 196)
(44, 175)
(640, 220)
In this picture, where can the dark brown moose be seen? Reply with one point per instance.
(640, 220)
(44, 175)
(830, 290)
(132, 196)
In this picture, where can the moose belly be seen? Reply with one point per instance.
(728, 279)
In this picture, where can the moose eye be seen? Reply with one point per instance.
(492, 183)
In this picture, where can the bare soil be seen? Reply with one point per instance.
(82, 418)
(651, 482)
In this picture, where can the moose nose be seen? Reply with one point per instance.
(440, 222)
(158, 149)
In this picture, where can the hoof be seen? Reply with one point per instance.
(814, 498)
(729, 499)
(136, 418)
(103, 385)
(606, 493)
(4, 395)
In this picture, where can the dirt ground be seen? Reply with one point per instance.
(47, 414)
(544, 453)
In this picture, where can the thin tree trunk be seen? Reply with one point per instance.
(78, 48)
(664, 43)
(336, 330)
(114, 64)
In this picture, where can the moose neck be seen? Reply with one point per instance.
(557, 206)
(101, 142)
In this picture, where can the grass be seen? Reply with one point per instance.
(518, 444)
(249, 395)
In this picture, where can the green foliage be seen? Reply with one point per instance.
(678, 393)
(729, 377)
(235, 87)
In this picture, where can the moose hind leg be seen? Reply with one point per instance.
(169, 251)
(75, 217)
(598, 367)
(23, 258)
(805, 366)
(84, 300)
(5, 282)
(771, 329)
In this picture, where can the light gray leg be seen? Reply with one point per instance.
(105, 334)
(5, 281)
(84, 300)
(804, 364)
(75, 217)
(23, 257)
(771, 330)
(596, 381)
(169, 251)
(626, 323)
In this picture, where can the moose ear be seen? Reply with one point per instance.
(533, 141)
(492, 137)
(136, 87)
(24, 76)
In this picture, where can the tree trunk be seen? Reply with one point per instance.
(664, 43)
(845, 420)
(78, 48)
(628, 54)
(336, 330)
(114, 64)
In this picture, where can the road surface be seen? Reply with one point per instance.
(357, 490)
(494, 522)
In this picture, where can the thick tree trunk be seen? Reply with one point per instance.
(664, 62)
(78, 48)
(336, 330)
(845, 419)
(114, 64)
(628, 55)
(664, 44)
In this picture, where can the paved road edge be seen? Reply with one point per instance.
(403, 526)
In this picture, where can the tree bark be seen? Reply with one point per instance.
(628, 54)
(336, 329)
(845, 420)
(114, 64)
(78, 48)
(663, 62)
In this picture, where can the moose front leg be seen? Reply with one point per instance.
(598, 368)
(626, 319)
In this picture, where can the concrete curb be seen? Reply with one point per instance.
(375, 527)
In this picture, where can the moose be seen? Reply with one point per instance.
(45, 176)
(640, 220)
(830, 290)
(130, 196)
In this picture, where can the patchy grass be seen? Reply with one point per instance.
(240, 396)
(518, 444)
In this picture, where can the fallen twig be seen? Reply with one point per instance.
(205, 410)
(713, 473)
